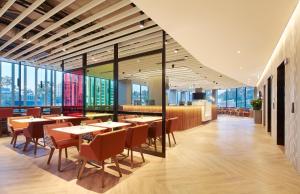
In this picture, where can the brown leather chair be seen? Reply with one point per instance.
(16, 128)
(4, 113)
(154, 132)
(103, 146)
(59, 140)
(34, 132)
(170, 128)
(136, 136)
(35, 112)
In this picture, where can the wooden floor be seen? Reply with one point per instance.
(230, 155)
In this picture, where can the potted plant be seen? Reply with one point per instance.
(257, 114)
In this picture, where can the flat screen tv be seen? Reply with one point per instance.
(199, 96)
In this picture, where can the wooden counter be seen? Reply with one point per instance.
(188, 116)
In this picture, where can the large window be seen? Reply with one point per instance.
(208, 95)
(37, 86)
(222, 98)
(140, 94)
(236, 97)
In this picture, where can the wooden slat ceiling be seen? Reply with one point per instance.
(46, 32)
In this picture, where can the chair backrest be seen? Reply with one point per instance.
(6, 112)
(108, 144)
(172, 124)
(55, 110)
(35, 129)
(35, 112)
(89, 121)
(11, 124)
(121, 118)
(157, 125)
(56, 135)
(136, 135)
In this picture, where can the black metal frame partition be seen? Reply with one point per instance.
(115, 62)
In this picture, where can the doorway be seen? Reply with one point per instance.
(280, 103)
(264, 106)
(269, 105)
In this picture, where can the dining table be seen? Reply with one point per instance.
(148, 119)
(30, 120)
(110, 124)
(61, 118)
(98, 115)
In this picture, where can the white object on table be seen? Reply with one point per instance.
(31, 120)
(142, 119)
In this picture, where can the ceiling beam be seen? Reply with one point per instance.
(37, 22)
(88, 20)
(6, 6)
(106, 44)
(57, 24)
(21, 17)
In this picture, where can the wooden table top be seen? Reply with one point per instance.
(110, 124)
(79, 130)
(31, 120)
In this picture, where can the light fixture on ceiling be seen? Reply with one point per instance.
(142, 24)
(173, 66)
(200, 67)
(238, 52)
(220, 76)
(186, 57)
(140, 70)
(166, 42)
(241, 67)
(175, 50)
(123, 72)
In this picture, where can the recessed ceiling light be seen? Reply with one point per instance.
(220, 76)
(176, 51)
(140, 70)
(241, 67)
(173, 65)
(238, 52)
(123, 72)
(166, 42)
(186, 57)
(201, 67)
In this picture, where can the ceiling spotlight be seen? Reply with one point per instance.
(166, 42)
(238, 52)
(123, 72)
(186, 57)
(241, 67)
(173, 65)
(142, 24)
(220, 76)
(200, 67)
(140, 70)
(176, 51)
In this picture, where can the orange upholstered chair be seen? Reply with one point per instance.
(4, 113)
(34, 132)
(170, 128)
(154, 132)
(59, 140)
(136, 136)
(103, 146)
(35, 112)
(16, 128)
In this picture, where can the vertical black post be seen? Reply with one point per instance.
(84, 64)
(19, 84)
(163, 62)
(63, 85)
(116, 79)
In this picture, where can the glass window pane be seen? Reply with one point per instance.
(6, 84)
(241, 97)
(249, 96)
(48, 88)
(231, 97)
(221, 98)
(41, 91)
(136, 91)
(208, 95)
(144, 94)
(58, 89)
(30, 86)
(16, 85)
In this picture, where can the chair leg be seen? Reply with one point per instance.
(169, 139)
(15, 140)
(59, 160)
(155, 144)
(117, 165)
(131, 158)
(26, 144)
(50, 155)
(66, 152)
(141, 150)
(173, 137)
(44, 141)
(127, 152)
(35, 145)
(102, 180)
(12, 139)
(81, 169)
